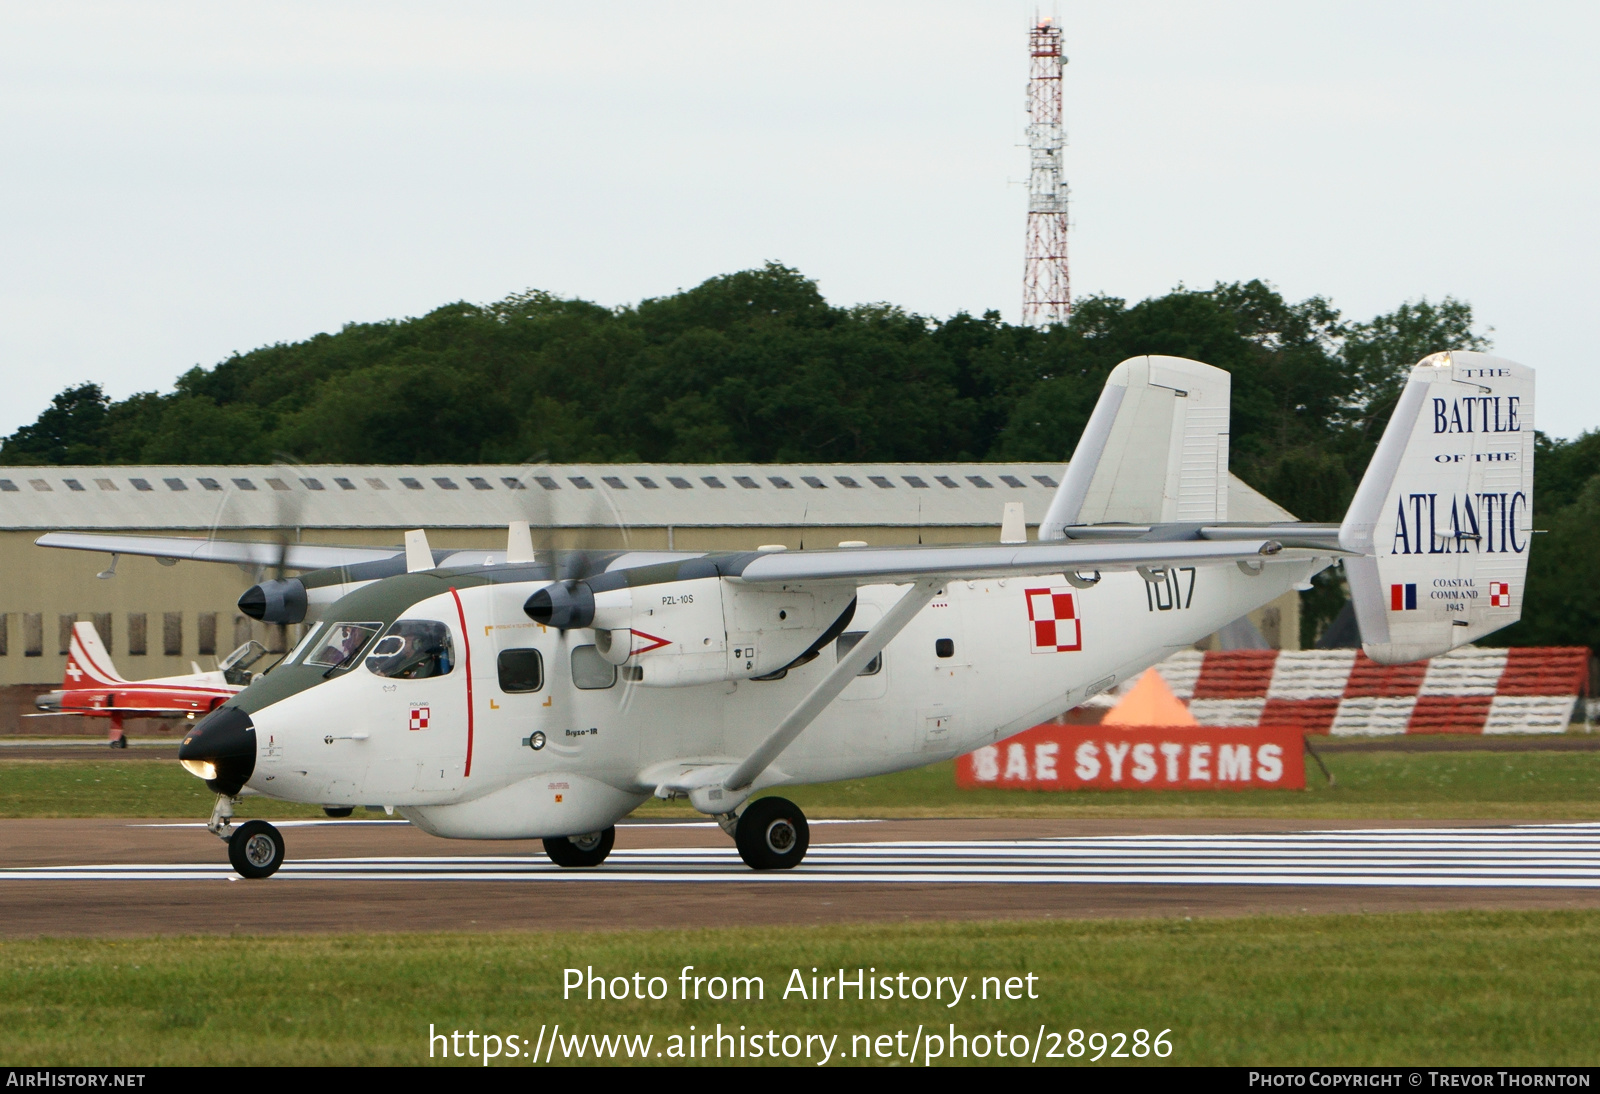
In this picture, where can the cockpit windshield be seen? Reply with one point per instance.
(340, 645)
(413, 649)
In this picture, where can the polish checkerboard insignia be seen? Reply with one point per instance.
(1053, 621)
(419, 717)
(1499, 594)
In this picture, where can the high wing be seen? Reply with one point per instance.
(294, 556)
(1216, 544)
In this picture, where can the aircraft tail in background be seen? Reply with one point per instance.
(88, 663)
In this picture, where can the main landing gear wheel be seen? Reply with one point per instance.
(589, 850)
(256, 849)
(338, 811)
(772, 834)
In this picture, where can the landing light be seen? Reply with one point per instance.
(200, 769)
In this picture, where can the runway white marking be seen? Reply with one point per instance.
(1535, 856)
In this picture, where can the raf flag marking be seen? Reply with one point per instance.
(1402, 598)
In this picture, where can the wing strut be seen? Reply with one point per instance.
(714, 795)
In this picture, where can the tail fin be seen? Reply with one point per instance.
(88, 663)
(1155, 449)
(1443, 517)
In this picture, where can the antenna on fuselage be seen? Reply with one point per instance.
(519, 542)
(419, 556)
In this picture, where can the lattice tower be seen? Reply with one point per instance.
(1046, 286)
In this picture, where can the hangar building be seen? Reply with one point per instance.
(156, 619)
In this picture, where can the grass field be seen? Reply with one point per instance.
(1463, 988)
(1499, 785)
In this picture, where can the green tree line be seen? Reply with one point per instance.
(757, 366)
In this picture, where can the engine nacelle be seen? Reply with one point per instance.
(696, 631)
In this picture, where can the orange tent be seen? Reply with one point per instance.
(1149, 703)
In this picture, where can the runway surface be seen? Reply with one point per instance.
(124, 877)
(1559, 856)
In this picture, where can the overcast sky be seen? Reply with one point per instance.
(179, 181)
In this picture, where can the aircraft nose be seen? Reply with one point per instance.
(221, 749)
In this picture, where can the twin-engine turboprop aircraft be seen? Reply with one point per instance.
(515, 694)
(92, 687)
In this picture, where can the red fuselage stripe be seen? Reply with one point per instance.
(466, 646)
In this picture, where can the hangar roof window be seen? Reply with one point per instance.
(647, 483)
(980, 481)
(1013, 482)
(681, 484)
(614, 481)
(210, 484)
(410, 484)
(445, 484)
(1046, 480)
(547, 482)
(713, 482)
(377, 484)
(106, 484)
(946, 480)
(73, 484)
(813, 482)
(881, 481)
(479, 483)
(244, 484)
(344, 483)
(312, 484)
(916, 482)
(276, 484)
(176, 484)
(513, 484)
(40, 484)
(747, 482)
(780, 482)
(141, 484)
(580, 482)
(8, 486)
(848, 482)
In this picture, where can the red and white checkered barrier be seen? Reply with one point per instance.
(1343, 692)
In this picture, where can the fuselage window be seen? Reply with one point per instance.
(413, 649)
(944, 647)
(847, 642)
(341, 644)
(590, 671)
(521, 670)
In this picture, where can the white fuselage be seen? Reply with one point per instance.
(455, 753)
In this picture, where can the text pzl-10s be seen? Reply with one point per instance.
(522, 694)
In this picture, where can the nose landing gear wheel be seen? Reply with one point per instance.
(772, 834)
(338, 811)
(256, 849)
(589, 850)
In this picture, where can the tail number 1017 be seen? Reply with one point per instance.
(1175, 591)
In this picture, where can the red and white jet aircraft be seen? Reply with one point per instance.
(92, 687)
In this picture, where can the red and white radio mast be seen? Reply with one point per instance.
(1046, 287)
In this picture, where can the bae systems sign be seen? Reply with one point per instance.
(1052, 757)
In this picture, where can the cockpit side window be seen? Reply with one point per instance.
(304, 643)
(413, 649)
(341, 644)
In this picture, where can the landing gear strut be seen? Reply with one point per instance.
(772, 834)
(255, 848)
(587, 850)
